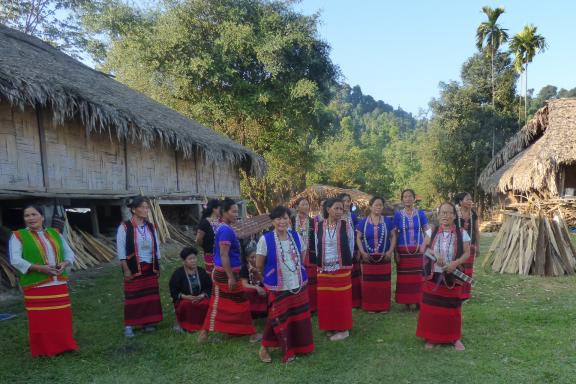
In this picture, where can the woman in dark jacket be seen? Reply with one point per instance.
(190, 288)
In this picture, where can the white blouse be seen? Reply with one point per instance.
(144, 240)
(291, 275)
(22, 265)
(445, 247)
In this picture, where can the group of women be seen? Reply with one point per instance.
(325, 265)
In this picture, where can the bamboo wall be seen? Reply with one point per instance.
(76, 162)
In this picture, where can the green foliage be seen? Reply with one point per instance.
(44, 19)
(254, 70)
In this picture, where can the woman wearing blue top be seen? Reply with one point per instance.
(229, 310)
(376, 240)
(279, 260)
(411, 224)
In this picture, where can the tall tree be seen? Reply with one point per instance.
(490, 36)
(525, 45)
(254, 70)
(51, 20)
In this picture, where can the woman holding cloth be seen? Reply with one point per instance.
(279, 260)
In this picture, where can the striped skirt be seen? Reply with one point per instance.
(288, 325)
(440, 317)
(335, 300)
(312, 272)
(49, 320)
(469, 270)
(208, 262)
(376, 287)
(356, 277)
(229, 310)
(409, 275)
(142, 298)
(191, 314)
(258, 304)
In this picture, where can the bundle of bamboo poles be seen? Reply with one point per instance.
(529, 244)
(88, 250)
(156, 217)
(8, 274)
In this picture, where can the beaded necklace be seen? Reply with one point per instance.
(195, 274)
(303, 227)
(294, 255)
(405, 218)
(382, 240)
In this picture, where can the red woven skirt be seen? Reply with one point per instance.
(335, 300)
(229, 310)
(191, 314)
(408, 275)
(209, 262)
(49, 320)
(356, 281)
(258, 304)
(469, 270)
(376, 289)
(440, 317)
(288, 325)
(312, 272)
(142, 298)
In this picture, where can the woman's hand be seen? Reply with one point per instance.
(127, 275)
(441, 261)
(388, 255)
(232, 282)
(451, 267)
(260, 291)
(47, 269)
(62, 267)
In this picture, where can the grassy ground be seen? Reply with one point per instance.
(516, 330)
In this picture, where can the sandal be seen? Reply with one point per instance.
(255, 338)
(264, 355)
(428, 345)
(459, 346)
(339, 336)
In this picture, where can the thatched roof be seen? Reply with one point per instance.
(316, 193)
(532, 157)
(34, 73)
(252, 225)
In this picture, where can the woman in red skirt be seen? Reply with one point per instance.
(468, 219)
(356, 273)
(334, 258)
(376, 240)
(42, 256)
(190, 288)
(440, 318)
(279, 260)
(139, 254)
(411, 224)
(229, 310)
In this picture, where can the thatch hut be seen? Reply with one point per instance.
(77, 138)
(535, 174)
(540, 159)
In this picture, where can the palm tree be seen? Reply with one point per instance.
(525, 45)
(491, 35)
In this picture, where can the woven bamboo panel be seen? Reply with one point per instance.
(20, 163)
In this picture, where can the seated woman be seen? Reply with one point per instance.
(190, 288)
(253, 285)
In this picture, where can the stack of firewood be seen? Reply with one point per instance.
(529, 244)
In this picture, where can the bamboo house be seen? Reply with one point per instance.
(73, 137)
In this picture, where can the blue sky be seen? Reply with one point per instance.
(398, 51)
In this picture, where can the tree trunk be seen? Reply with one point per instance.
(526, 93)
(493, 89)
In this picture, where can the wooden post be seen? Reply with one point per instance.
(43, 153)
(125, 211)
(177, 171)
(126, 163)
(94, 220)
